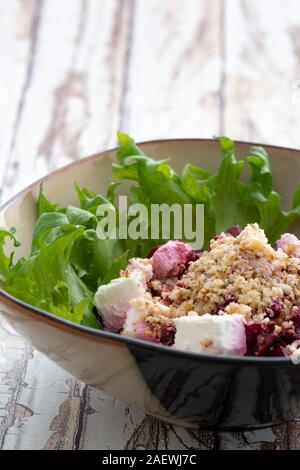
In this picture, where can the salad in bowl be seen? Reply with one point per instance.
(198, 328)
(237, 295)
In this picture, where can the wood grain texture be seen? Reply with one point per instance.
(17, 25)
(72, 73)
(14, 356)
(174, 69)
(262, 71)
(69, 98)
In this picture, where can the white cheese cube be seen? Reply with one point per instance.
(211, 334)
(113, 300)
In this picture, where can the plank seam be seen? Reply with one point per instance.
(81, 418)
(10, 407)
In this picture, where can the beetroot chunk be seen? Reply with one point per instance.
(235, 230)
(277, 306)
(291, 333)
(172, 259)
(278, 351)
(229, 299)
(260, 338)
(253, 330)
(296, 320)
(168, 335)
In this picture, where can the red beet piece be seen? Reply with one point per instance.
(259, 337)
(168, 335)
(296, 320)
(229, 299)
(235, 230)
(277, 306)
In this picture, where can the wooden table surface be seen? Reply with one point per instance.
(75, 71)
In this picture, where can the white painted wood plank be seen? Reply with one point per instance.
(174, 72)
(47, 387)
(14, 356)
(72, 103)
(112, 424)
(16, 24)
(262, 71)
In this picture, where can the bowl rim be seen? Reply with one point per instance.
(115, 337)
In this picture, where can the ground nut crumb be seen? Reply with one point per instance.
(142, 265)
(252, 238)
(245, 266)
(242, 309)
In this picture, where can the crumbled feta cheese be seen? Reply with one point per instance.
(113, 300)
(140, 265)
(290, 244)
(146, 319)
(211, 334)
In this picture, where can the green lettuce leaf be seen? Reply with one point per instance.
(47, 278)
(44, 205)
(157, 179)
(272, 218)
(231, 200)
